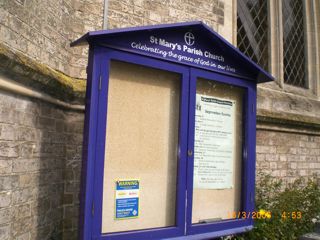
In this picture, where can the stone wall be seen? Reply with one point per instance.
(44, 29)
(288, 156)
(215, 13)
(40, 161)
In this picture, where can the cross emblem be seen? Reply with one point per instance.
(189, 38)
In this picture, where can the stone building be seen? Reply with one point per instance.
(42, 88)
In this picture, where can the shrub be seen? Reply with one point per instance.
(285, 204)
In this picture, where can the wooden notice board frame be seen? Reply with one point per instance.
(100, 151)
(192, 50)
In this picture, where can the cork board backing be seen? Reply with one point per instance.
(209, 204)
(141, 143)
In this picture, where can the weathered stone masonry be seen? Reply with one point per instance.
(288, 155)
(40, 161)
(43, 30)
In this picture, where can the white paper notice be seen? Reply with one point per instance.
(214, 142)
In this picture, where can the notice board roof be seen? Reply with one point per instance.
(191, 43)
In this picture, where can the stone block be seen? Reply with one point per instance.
(40, 207)
(46, 123)
(30, 149)
(68, 198)
(303, 151)
(291, 176)
(273, 165)
(282, 149)
(22, 226)
(311, 158)
(57, 201)
(9, 149)
(260, 157)
(5, 231)
(263, 165)
(27, 165)
(276, 173)
(5, 216)
(7, 132)
(74, 127)
(272, 157)
(28, 119)
(21, 211)
(67, 224)
(283, 157)
(72, 187)
(5, 166)
(70, 235)
(46, 110)
(24, 236)
(71, 211)
(5, 199)
(293, 158)
(59, 138)
(23, 195)
(155, 17)
(313, 145)
(302, 165)
(293, 165)
(8, 182)
(303, 144)
(266, 149)
(29, 179)
(303, 173)
(314, 165)
(293, 150)
(60, 125)
(315, 152)
(27, 134)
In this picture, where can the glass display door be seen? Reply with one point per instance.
(173, 151)
(217, 140)
(143, 149)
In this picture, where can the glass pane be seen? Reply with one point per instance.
(294, 57)
(252, 36)
(217, 152)
(141, 144)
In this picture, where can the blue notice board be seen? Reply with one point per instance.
(127, 199)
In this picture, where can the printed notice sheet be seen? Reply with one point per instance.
(127, 199)
(214, 142)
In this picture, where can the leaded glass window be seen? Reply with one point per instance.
(294, 58)
(252, 37)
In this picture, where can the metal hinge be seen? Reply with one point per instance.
(252, 108)
(100, 82)
(92, 209)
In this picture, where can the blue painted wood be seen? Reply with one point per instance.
(251, 148)
(249, 169)
(207, 49)
(100, 146)
(213, 235)
(88, 165)
(110, 45)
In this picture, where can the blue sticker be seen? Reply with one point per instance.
(127, 199)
